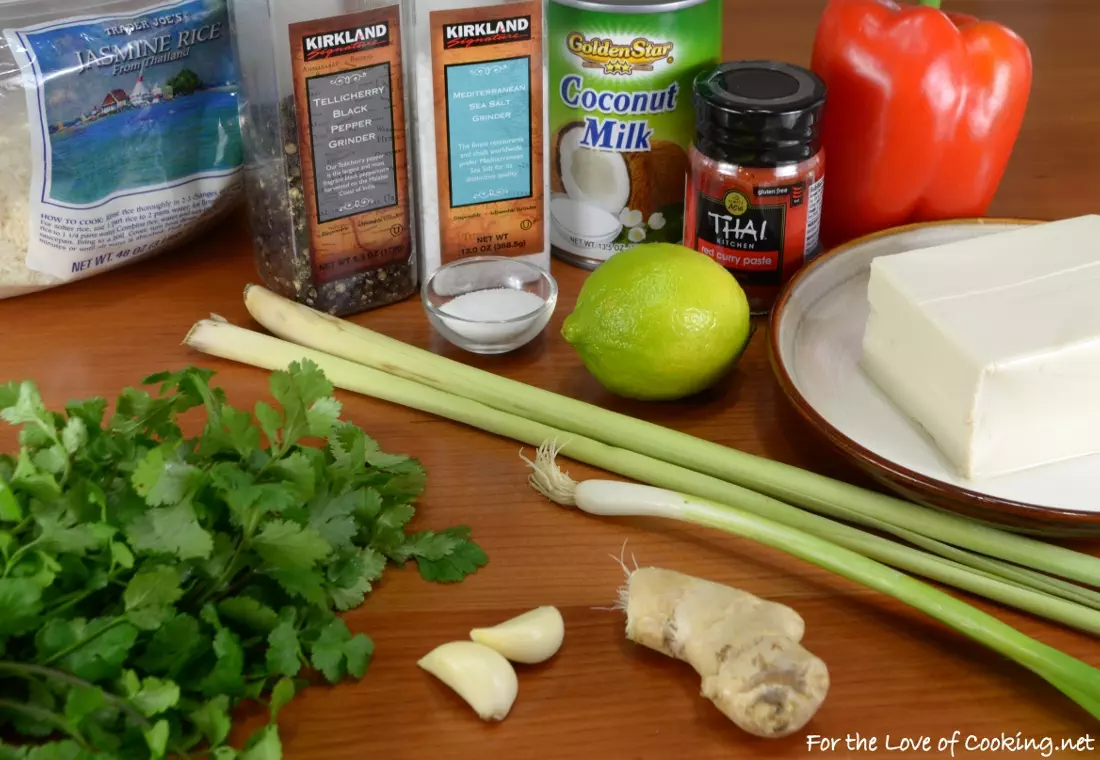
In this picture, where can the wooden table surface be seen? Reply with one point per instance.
(895, 673)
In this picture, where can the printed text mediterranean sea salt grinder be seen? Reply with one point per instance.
(757, 173)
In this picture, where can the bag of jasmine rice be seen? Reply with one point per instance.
(119, 133)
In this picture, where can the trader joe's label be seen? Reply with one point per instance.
(110, 99)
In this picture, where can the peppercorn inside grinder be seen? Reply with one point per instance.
(757, 172)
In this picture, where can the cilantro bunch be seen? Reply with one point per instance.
(150, 582)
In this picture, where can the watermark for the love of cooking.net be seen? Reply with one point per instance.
(958, 744)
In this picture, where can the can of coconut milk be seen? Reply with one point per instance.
(621, 119)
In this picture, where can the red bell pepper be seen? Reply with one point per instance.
(922, 113)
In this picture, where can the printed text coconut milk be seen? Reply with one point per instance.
(621, 120)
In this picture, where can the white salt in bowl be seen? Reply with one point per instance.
(490, 304)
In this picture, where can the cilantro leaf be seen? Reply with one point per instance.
(212, 719)
(91, 411)
(283, 650)
(53, 459)
(20, 601)
(96, 649)
(30, 479)
(156, 696)
(270, 422)
(35, 721)
(357, 654)
(347, 444)
(351, 576)
(65, 536)
(10, 511)
(298, 470)
(304, 583)
(250, 613)
(150, 594)
(263, 745)
(227, 675)
(172, 647)
(333, 517)
(336, 652)
(9, 394)
(171, 530)
(433, 546)
(231, 430)
(388, 533)
(82, 701)
(463, 559)
(323, 415)
(303, 391)
(163, 478)
(157, 739)
(21, 404)
(64, 750)
(287, 546)
(281, 696)
(75, 435)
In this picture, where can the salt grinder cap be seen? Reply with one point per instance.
(758, 113)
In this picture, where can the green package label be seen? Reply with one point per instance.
(621, 121)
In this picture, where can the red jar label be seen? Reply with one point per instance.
(755, 232)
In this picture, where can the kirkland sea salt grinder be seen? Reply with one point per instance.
(327, 164)
(480, 129)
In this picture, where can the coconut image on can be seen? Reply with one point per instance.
(621, 120)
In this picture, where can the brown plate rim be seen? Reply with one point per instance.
(910, 479)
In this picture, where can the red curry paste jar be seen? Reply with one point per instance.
(757, 173)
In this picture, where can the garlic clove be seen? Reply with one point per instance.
(532, 637)
(478, 674)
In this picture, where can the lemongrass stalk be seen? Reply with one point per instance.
(1015, 574)
(219, 338)
(312, 329)
(1078, 680)
(1020, 576)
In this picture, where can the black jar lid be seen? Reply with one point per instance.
(758, 113)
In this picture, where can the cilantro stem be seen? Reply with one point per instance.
(46, 716)
(86, 640)
(69, 600)
(231, 566)
(18, 555)
(28, 671)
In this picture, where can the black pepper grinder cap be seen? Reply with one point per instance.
(758, 113)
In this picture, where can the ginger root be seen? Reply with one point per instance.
(746, 650)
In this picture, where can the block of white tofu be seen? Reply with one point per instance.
(992, 344)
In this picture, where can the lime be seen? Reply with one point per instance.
(659, 322)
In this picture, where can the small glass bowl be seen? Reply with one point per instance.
(494, 322)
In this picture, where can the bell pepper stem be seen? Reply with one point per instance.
(931, 3)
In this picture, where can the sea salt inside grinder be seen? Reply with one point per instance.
(757, 173)
(327, 159)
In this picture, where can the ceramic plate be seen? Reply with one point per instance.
(816, 333)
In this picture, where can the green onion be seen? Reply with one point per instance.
(227, 341)
(303, 326)
(1078, 680)
(779, 529)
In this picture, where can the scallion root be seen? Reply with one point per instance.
(549, 479)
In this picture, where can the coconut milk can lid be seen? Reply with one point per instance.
(758, 113)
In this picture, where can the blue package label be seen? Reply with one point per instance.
(489, 130)
(134, 131)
